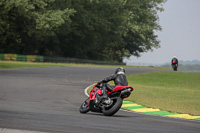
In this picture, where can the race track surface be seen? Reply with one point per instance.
(48, 100)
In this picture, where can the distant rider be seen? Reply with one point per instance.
(119, 78)
(174, 62)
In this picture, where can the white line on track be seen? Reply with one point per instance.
(5, 130)
(86, 90)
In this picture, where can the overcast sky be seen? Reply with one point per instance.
(180, 35)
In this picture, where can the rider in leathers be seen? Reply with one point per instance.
(119, 78)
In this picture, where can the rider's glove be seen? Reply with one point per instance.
(98, 84)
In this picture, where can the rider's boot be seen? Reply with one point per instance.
(104, 96)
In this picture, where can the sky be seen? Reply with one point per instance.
(180, 35)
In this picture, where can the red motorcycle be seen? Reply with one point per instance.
(106, 106)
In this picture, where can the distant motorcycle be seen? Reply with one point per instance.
(174, 63)
(106, 106)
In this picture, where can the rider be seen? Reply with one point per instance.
(119, 78)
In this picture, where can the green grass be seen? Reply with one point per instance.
(170, 91)
(16, 64)
(13, 65)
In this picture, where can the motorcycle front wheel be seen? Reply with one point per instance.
(111, 110)
(84, 107)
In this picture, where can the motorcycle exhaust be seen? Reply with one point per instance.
(126, 92)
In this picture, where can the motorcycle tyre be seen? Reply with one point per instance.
(82, 109)
(115, 107)
(174, 68)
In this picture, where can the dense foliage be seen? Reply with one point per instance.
(87, 29)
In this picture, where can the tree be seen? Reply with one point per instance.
(137, 21)
(25, 25)
(114, 29)
(87, 29)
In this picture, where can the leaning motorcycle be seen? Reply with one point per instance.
(106, 106)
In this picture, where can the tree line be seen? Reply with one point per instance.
(87, 29)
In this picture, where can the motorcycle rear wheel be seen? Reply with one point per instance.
(84, 108)
(117, 103)
(174, 67)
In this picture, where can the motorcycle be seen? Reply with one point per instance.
(106, 106)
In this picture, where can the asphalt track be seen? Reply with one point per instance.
(48, 100)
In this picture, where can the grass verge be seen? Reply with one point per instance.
(16, 64)
(170, 91)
